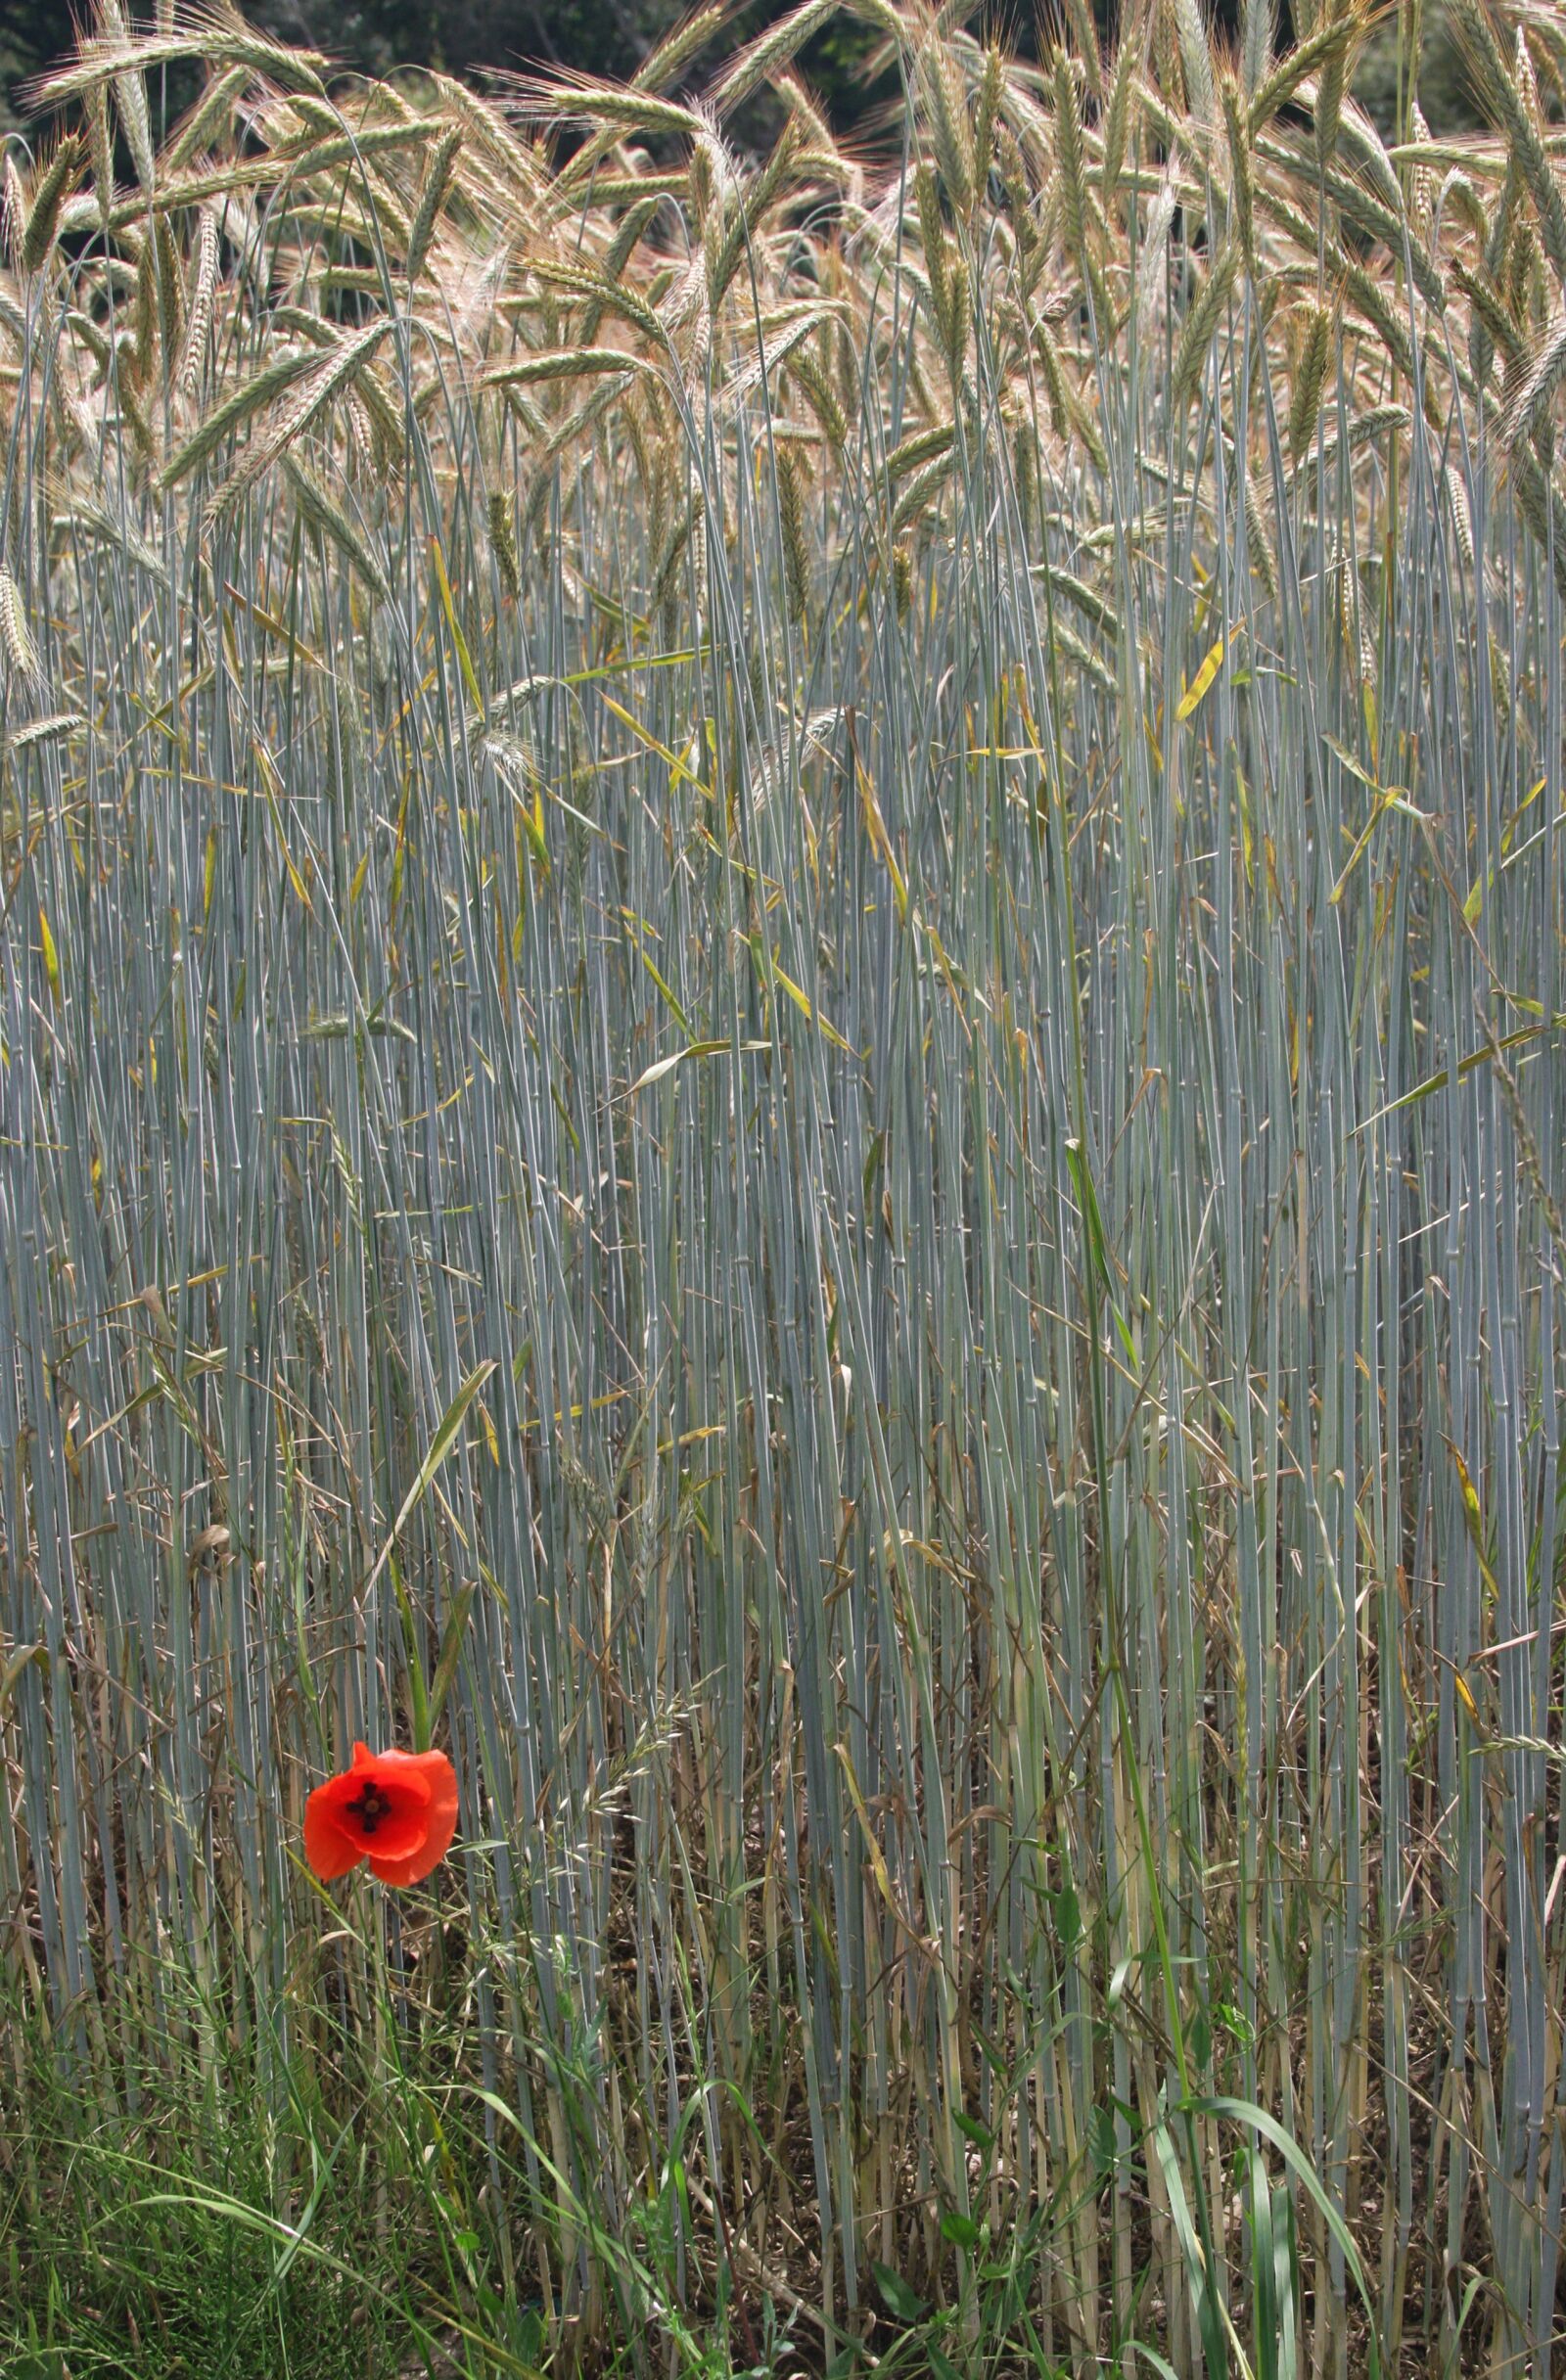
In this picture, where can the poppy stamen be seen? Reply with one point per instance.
(370, 1808)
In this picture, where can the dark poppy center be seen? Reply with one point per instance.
(370, 1808)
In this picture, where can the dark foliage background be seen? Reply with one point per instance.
(613, 36)
(464, 37)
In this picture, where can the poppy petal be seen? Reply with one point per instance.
(423, 1764)
(328, 1849)
(440, 1822)
(397, 1834)
(417, 1865)
(403, 1770)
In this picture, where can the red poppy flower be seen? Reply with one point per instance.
(397, 1809)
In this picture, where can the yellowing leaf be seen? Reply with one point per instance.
(1474, 1520)
(274, 786)
(676, 1010)
(643, 735)
(801, 1002)
(51, 957)
(469, 678)
(696, 1049)
(877, 825)
(666, 1066)
(1202, 681)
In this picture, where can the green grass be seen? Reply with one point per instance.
(781, 992)
(202, 2229)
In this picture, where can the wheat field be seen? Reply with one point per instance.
(782, 970)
